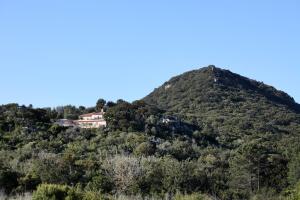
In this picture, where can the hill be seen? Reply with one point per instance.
(206, 134)
(233, 106)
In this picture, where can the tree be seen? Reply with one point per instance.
(294, 169)
(126, 172)
(100, 104)
(8, 180)
(240, 176)
(71, 112)
(110, 104)
(145, 149)
(101, 182)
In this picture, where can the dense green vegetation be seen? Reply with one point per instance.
(208, 134)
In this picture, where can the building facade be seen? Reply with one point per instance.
(91, 120)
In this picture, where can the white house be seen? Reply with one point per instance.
(91, 120)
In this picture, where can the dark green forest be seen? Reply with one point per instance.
(206, 134)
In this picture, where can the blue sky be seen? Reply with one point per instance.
(56, 52)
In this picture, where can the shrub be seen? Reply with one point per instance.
(8, 180)
(296, 193)
(101, 183)
(191, 197)
(51, 192)
(90, 195)
(63, 192)
(145, 149)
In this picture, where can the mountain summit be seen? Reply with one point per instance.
(214, 85)
(231, 105)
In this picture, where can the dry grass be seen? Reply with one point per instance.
(26, 196)
(135, 197)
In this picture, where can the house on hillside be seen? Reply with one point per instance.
(91, 120)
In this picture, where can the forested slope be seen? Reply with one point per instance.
(206, 134)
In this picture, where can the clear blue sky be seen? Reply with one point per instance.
(58, 52)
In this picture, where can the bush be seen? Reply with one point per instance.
(101, 183)
(8, 180)
(296, 193)
(51, 192)
(145, 149)
(191, 197)
(294, 169)
(63, 192)
(90, 195)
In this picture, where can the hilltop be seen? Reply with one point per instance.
(216, 85)
(233, 106)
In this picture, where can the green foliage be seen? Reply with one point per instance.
(294, 194)
(8, 180)
(91, 195)
(71, 112)
(227, 107)
(51, 192)
(29, 182)
(63, 192)
(101, 182)
(257, 123)
(208, 131)
(145, 149)
(100, 104)
(294, 169)
(191, 197)
(130, 117)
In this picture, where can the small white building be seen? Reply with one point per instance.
(91, 120)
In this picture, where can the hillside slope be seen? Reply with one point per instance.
(232, 106)
(231, 138)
